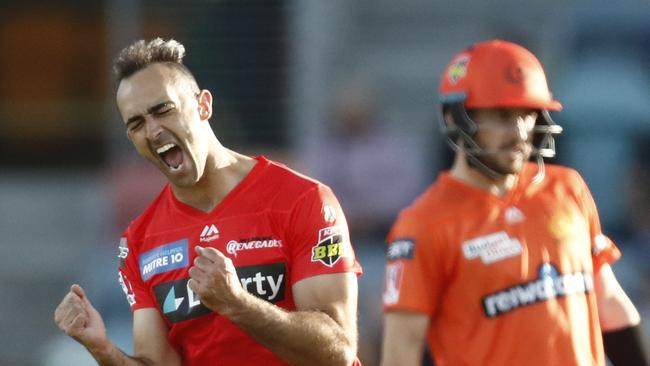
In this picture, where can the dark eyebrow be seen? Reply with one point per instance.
(151, 110)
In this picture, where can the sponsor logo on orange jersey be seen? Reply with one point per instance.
(402, 248)
(393, 282)
(549, 285)
(492, 248)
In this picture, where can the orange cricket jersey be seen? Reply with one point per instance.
(504, 280)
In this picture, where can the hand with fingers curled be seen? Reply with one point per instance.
(77, 318)
(214, 279)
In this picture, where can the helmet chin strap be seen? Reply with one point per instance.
(475, 161)
(465, 128)
(472, 151)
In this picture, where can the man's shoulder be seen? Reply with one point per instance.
(286, 182)
(137, 228)
(559, 174)
(282, 172)
(436, 204)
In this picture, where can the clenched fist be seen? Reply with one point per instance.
(77, 318)
(214, 279)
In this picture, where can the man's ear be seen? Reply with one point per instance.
(205, 104)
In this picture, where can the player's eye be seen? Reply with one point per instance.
(134, 125)
(163, 110)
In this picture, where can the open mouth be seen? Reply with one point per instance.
(172, 155)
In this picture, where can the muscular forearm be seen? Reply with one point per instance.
(299, 337)
(110, 355)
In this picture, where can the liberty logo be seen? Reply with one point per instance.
(178, 302)
(209, 233)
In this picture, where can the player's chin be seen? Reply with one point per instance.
(185, 178)
(507, 167)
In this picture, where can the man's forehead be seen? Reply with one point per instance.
(146, 88)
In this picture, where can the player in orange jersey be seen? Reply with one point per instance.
(502, 261)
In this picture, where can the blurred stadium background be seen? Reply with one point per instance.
(342, 90)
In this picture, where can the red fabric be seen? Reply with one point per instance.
(269, 226)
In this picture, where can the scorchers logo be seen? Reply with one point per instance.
(551, 284)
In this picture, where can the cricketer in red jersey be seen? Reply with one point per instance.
(238, 261)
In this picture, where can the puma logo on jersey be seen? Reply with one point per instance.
(492, 248)
(209, 233)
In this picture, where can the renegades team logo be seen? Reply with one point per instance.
(330, 246)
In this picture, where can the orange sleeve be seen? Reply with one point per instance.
(603, 249)
(414, 271)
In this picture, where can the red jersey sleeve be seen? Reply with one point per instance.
(603, 249)
(318, 236)
(135, 290)
(414, 275)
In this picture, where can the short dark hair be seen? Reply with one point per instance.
(141, 54)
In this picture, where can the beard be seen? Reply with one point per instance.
(498, 161)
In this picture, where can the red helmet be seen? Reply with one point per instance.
(495, 74)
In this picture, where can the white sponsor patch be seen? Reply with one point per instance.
(400, 249)
(492, 248)
(393, 282)
(329, 213)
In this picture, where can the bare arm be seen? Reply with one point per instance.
(321, 332)
(80, 320)
(404, 336)
(615, 309)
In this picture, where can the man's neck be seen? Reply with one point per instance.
(222, 174)
(497, 186)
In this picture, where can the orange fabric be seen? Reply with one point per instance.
(504, 281)
(497, 73)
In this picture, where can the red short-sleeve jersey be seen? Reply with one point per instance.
(504, 280)
(277, 226)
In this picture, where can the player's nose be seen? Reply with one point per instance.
(153, 128)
